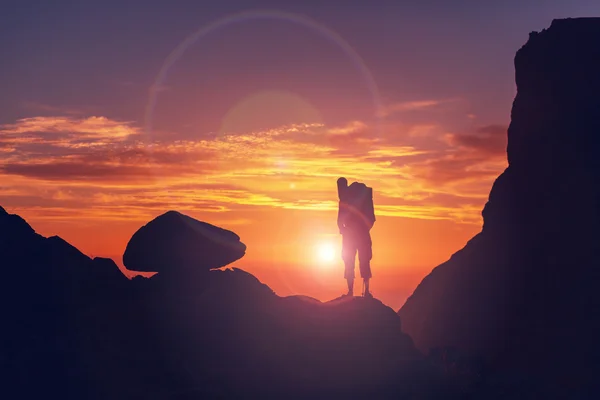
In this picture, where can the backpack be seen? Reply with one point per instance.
(361, 199)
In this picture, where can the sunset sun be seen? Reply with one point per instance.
(325, 253)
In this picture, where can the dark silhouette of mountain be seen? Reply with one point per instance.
(46, 285)
(524, 291)
(77, 328)
(175, 243)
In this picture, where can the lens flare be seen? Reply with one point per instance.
(302, 110)
(254, 15)
(325, 253)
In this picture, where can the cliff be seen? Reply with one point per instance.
(524, 291)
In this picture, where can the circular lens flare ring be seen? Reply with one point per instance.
(252, 15)
(298, 19)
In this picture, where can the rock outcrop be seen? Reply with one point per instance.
(28, 257)
(74, 328)
(524, 291)
(174, 243)
(49, 288)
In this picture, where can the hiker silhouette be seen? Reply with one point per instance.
(356, 217)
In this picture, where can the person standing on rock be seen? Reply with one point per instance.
(356, 217)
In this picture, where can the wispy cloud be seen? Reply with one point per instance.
(93, 126)
(414, 105)
(107, 168)
(352, 127)
(489, 139)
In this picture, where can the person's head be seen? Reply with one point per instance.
(342, 182)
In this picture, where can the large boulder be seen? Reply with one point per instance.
(524, 291)
(173, 243)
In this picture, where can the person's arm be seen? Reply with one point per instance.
(340, 218)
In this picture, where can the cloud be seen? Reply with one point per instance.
(73, 171)
(466, 169)
(108, 168)
(490, 139)
(352, 128)
(455, 167)
(423, 130)
(414, 105)
(466, 213)
(6, 148)
(67, 127)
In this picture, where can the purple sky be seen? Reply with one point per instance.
(103, 55)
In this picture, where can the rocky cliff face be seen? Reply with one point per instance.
(526, 287)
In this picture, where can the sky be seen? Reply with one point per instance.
(244, 113)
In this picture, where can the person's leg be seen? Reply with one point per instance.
(349, 257)
(349, 274)
(350, 282)
(364, 258)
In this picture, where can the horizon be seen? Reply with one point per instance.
(248, 123)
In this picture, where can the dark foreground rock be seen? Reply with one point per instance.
(174, 243)
(78, 329)
(524, 291)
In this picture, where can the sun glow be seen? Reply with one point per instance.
(326, 253)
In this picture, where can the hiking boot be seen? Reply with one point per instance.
(368, 295)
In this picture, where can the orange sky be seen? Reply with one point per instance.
(245, 119)
(94, 181)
